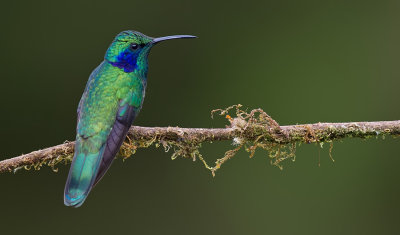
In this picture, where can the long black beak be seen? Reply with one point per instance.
(157, 40)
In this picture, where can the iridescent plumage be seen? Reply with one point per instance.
(113, 97)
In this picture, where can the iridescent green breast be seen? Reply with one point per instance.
(108, 88)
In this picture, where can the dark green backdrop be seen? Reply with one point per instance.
(301, 61)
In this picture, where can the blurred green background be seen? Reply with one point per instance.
(301, 61)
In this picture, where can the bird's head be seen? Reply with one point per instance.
(130, 49)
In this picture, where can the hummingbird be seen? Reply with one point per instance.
(111, 101)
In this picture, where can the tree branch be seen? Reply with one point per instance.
(249, 130)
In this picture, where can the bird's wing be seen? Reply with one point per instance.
(125, 116)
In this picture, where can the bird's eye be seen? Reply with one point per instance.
(134, 46)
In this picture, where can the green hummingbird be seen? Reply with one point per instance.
(112, 99)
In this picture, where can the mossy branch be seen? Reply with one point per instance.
(250, 131)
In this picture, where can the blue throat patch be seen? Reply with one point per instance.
(126, 60)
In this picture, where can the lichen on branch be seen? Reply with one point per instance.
(247, 130)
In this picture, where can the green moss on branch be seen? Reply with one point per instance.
(248, 130)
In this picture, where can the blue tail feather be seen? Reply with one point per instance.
(81, 176)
